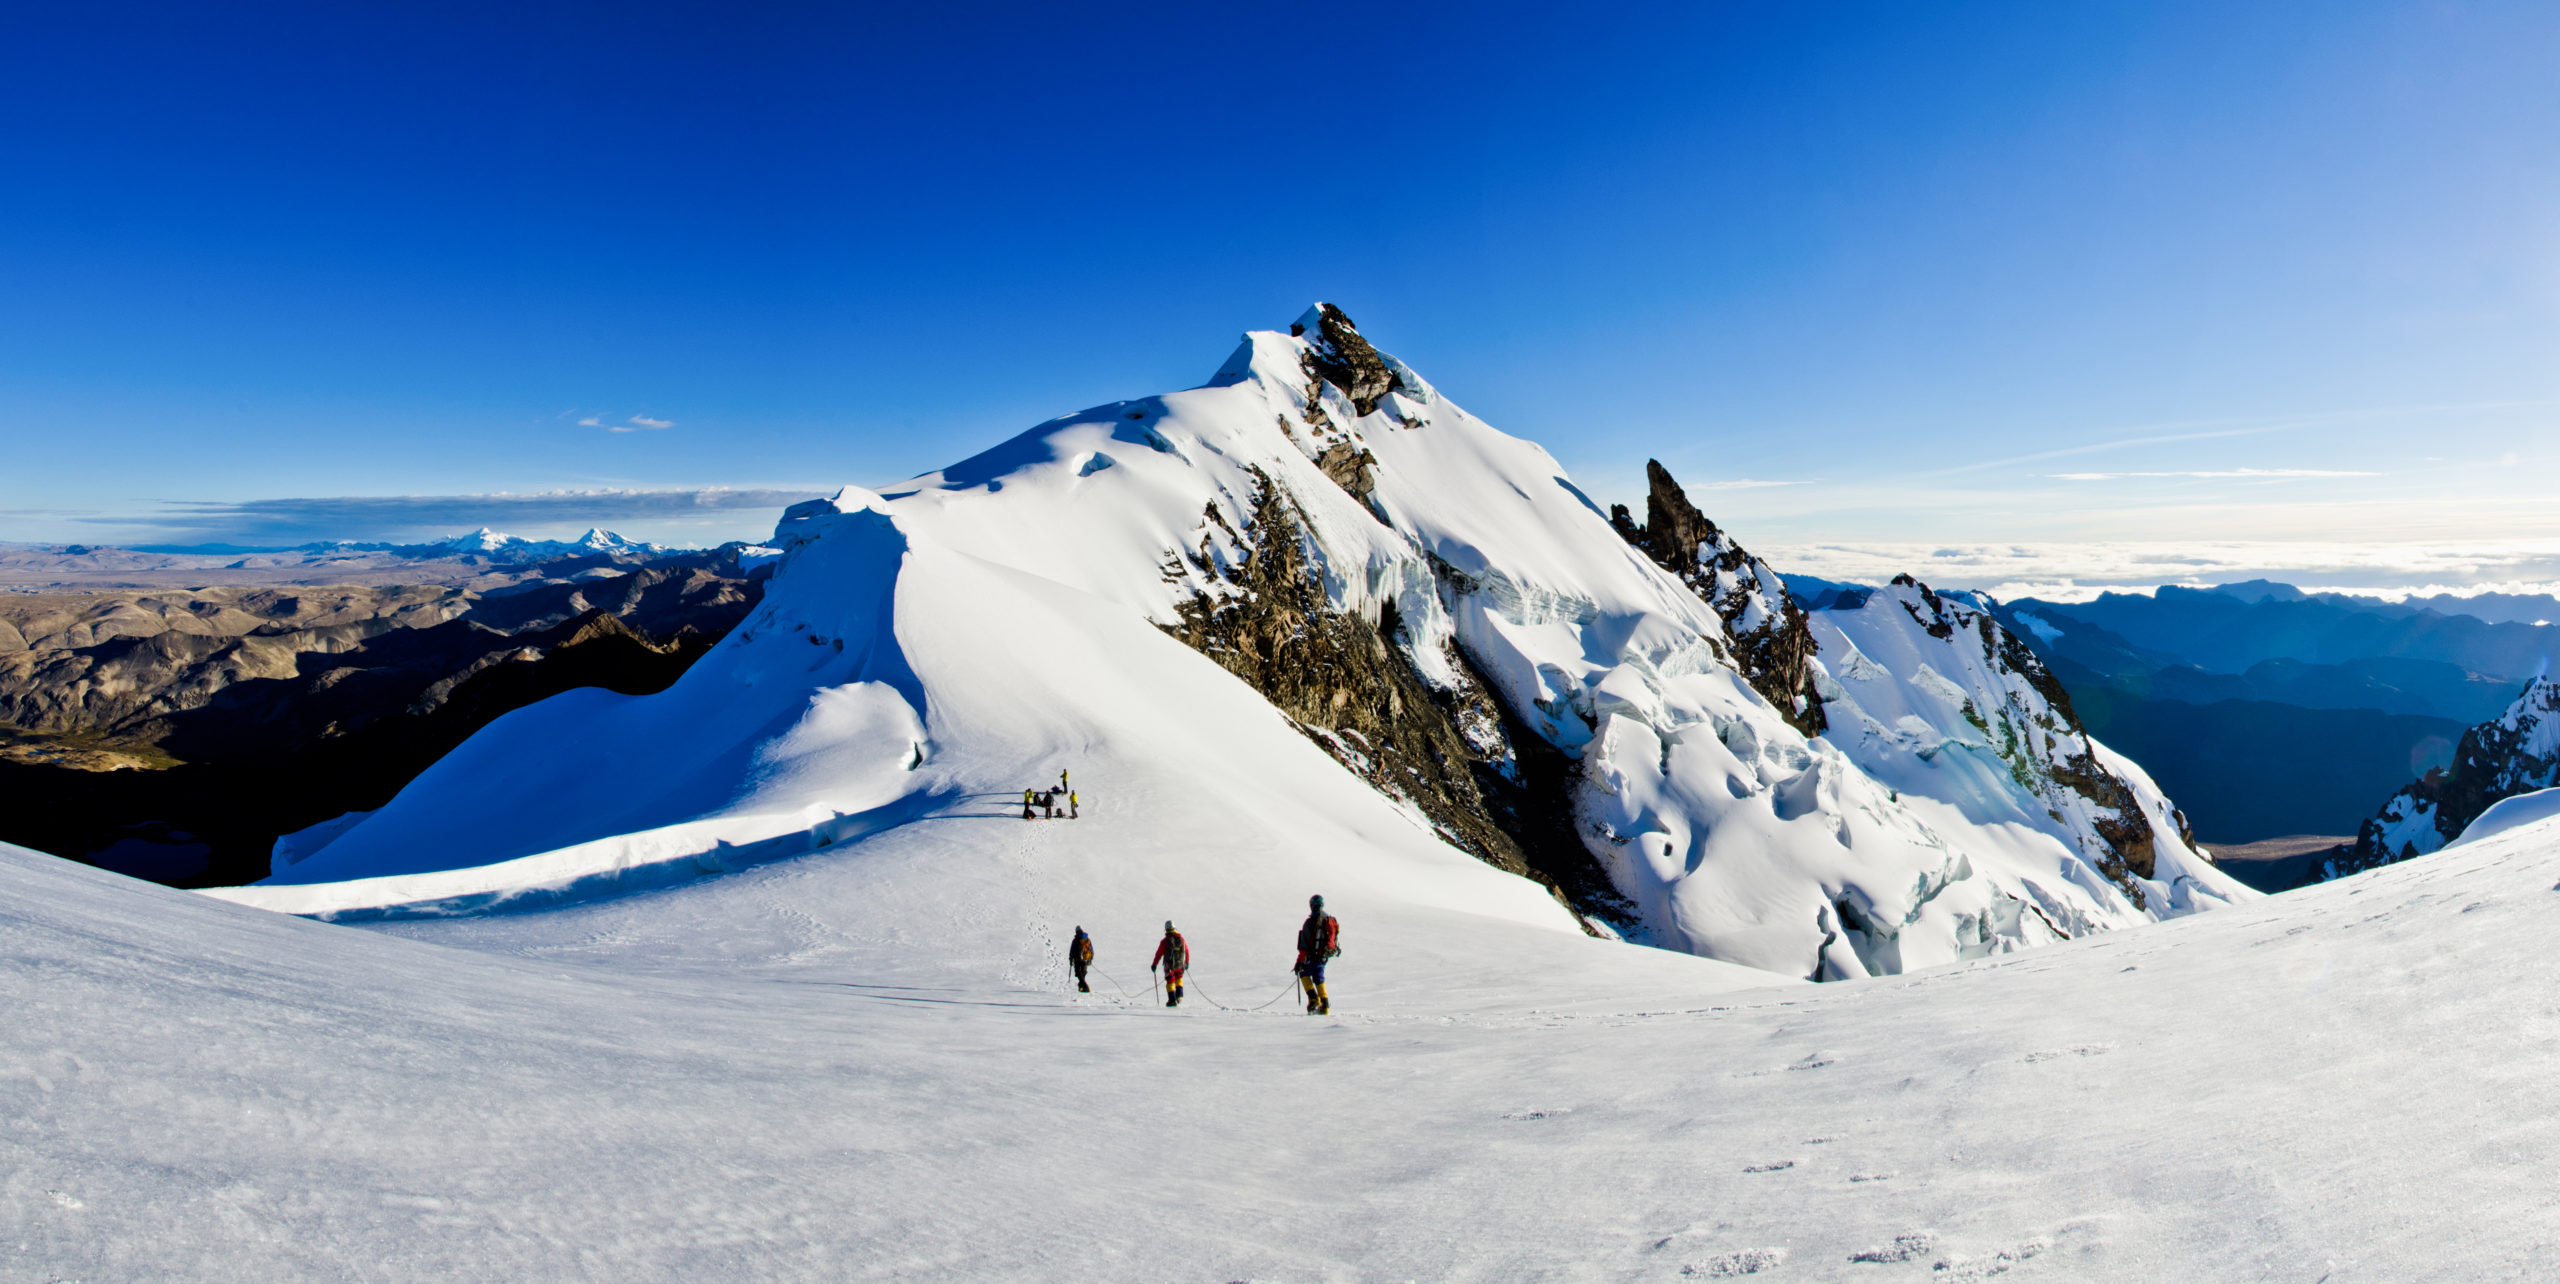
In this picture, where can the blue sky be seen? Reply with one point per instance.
(1942, 277)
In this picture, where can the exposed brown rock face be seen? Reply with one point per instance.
(1771, 641)
(1346, 683)
(1351, 468)
(1347, 361)
(2127, 833)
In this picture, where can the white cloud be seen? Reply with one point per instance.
(2220, 472)
(2069, 570)
(2215, 429)
(1748, 483)
(644, 421)
(636, 423)
(281, 522)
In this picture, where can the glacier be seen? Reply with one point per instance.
(945, 639)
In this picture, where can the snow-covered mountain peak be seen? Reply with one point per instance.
(1442, 621)
(497, 545)
(483, 540)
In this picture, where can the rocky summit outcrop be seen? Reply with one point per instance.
(1770, 642)
(182, 731)
(1339, 356)
(2516, 752)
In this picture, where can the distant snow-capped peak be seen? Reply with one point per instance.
(485, 542)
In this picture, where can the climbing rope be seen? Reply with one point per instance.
(1156, 991)
(1115, 984)
(1284, 993)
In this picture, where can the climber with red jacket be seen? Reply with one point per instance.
(1319, 939)
(1175, 957)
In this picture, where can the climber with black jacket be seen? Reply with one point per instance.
(1080, 957)
(1175, 957)
(1319, 939)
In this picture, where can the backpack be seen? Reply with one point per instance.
(1082, 950)
(1177, 955)
(1321, 939)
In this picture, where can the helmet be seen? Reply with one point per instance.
(1168, 925)
(1315, 902)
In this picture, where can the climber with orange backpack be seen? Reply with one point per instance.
(1175, 957)
(1079, 958)
(1319, 939)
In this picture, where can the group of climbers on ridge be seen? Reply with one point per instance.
(1319, 940)
(1046, 800)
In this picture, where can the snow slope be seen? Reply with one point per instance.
(1209, 808)
(2511, 813)
(964, 634)
(810, 1070)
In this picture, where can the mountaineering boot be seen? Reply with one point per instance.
(1324, 1005)
(1309, 987)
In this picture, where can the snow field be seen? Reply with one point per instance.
(750, 1078)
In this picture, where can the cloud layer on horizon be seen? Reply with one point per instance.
(282, 522)
(2072, 571)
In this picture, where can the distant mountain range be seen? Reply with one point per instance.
(2231, 629)
(463, 559)
(483, 542)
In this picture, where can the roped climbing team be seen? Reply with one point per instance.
(1319, 938)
